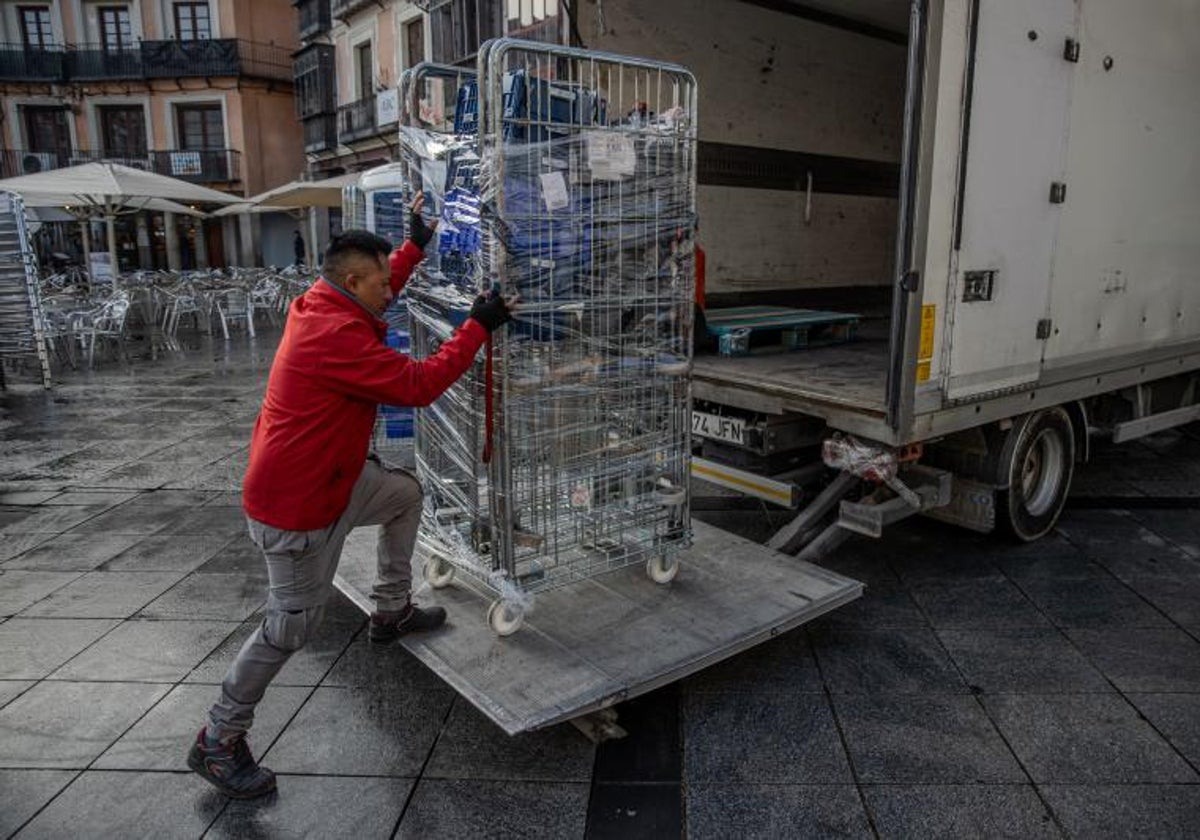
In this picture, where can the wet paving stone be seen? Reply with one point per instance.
(994, 811)
(770, 811)
(1085, 738)
(498, 809)
(902, 739)
(1021, 661)
(320, 806)
(103, 595)
(20, 589)
(220, 597)
(32, 648)
(25, 792)
(140, 521)
(1114, 812)
(735, 738)
(469, 747)
(67, 725)
(165, 554)
(119, 804)
(147, 651)
(1166, 659)
(342, 731)
(159, 740)
(71, 552)
(904, 660)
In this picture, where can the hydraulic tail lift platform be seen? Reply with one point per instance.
(585, 647)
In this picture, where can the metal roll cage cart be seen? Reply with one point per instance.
(569, 179)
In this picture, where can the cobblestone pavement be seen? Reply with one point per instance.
(978, 688)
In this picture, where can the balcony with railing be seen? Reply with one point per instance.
(320, 133)
(19, 64)
(95, 62)
(315, 17)
(344, 8)
(147, 60)
(356, 120)
(315, 85)
(200, 166)
(14, 162)
(206, 166)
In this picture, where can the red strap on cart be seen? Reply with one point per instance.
(489, 421)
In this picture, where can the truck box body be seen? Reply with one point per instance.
(1039, 246)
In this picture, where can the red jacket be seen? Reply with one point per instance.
(330, 372)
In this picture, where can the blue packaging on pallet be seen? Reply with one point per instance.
(534, 100)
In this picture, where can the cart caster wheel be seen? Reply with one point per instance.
(438, 572)
(505, 617)
(662, 569)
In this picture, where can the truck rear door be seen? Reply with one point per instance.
(1013, 159)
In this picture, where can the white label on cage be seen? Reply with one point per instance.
(581, 496)
(554, 191)
(610, 155)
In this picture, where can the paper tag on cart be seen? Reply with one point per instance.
(554, 191)
(610, 155)
(581, 496)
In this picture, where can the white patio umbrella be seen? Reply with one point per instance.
(296, 196)
(323, 193)
(60, 208)
(108, 189)
(254, 209)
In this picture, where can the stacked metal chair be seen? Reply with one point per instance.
(21, 319)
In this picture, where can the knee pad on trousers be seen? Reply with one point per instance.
(290, 630)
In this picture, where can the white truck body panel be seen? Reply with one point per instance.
(1127, 266)
(1016, 150)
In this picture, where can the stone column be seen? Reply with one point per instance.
(171, 234)
(200, 242)
(230, 230)
(145, 254)
(246, 251)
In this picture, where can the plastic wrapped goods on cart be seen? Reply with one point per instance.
(564, 454)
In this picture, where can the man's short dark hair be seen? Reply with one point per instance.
(345, 248)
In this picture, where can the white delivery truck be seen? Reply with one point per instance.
(1007, 191)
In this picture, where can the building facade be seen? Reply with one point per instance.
(199, 90)
(353, 53)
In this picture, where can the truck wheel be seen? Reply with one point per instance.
(1038, 470)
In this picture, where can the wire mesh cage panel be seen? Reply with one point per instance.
(21, 316)
(427, 93)
(568, 179)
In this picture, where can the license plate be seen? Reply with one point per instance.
(716, 427)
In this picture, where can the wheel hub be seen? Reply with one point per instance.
(1042, 472)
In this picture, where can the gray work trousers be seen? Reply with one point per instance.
(300, 570)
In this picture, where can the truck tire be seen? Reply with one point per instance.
(1037, 468)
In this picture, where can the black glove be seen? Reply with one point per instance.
(491, 311)
(420, 233)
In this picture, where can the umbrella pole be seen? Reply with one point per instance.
(313, 246)
(110, 219)
(85, 232)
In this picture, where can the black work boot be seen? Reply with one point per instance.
(387, 627)
(230, 768)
